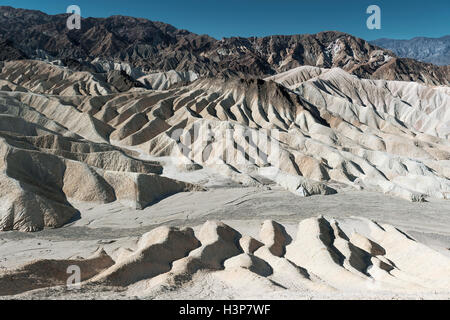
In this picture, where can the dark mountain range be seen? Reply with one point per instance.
(9, 52)
(432, 50)
(155, 46)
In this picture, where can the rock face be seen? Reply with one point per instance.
(325, 256)
(38, 182)
(133, 111)
(167, 80)
(41, 77)
(46, 166)
(9, 52)
(157, 47)
(431, 50)
(49, 273)
(310, 130)
(78, 122)
(274, 237)
(154, 256)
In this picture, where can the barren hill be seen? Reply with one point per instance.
(158, 47)
(123, 144)
(310, 130)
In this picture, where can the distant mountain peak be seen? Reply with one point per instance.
(431, 50)
(159, 47)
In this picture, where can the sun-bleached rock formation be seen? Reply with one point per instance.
(232, 125)
(42, 77)
(167, 80)
(322, 257)
(48, 273)
(312, 131)
(46, 166)
(325, 256)
(155, 254)
(274, 237)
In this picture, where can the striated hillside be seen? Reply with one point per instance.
(157, 162)
(158, 47)
(309, 130)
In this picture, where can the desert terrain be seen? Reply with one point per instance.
(232, 170)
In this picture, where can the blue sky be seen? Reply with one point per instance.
(401, 19)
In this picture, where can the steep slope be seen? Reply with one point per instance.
(417, 107)
(310, 130)
(152, 47)
(9, 52)
(43, 77)
(46, 168)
